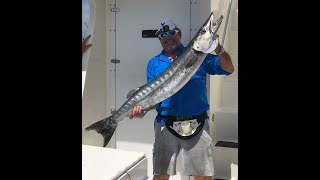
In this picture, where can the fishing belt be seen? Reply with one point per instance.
(185, 127)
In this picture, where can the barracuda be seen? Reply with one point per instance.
(168, 83)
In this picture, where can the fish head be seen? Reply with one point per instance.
(206, 40)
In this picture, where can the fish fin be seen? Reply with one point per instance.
(144, 112)
(130, 93)
(102, 128)
(190, 63)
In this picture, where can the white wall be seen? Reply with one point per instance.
(94, 101)
(224, 98)
(134, 52)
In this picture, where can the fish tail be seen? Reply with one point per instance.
(104, 129)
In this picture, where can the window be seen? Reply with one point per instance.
(85, 17)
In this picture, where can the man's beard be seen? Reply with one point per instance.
(172, 47)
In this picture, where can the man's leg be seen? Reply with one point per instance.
(161, 177)
(196, 155)
(165, 152)
(202, 177)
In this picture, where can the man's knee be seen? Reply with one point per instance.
(202, 177)
(161, 177)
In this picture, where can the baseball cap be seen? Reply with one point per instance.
(165, 25)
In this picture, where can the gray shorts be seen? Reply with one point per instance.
(196, 153)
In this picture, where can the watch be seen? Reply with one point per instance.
(221, 50)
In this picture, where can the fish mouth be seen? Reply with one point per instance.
(216, 24)
(206, 42)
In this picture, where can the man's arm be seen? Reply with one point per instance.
(225, 59)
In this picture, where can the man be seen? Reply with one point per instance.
(191, 100)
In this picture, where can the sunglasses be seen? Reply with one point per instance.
(166, 34)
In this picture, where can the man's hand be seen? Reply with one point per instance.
(225, 58)
(217, 50)
(85, 46)
(136, 112)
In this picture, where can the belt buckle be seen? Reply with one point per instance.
(183, 118)
(180, 118)
(185, 128)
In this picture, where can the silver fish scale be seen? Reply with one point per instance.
(168, 83)
(175, 83)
